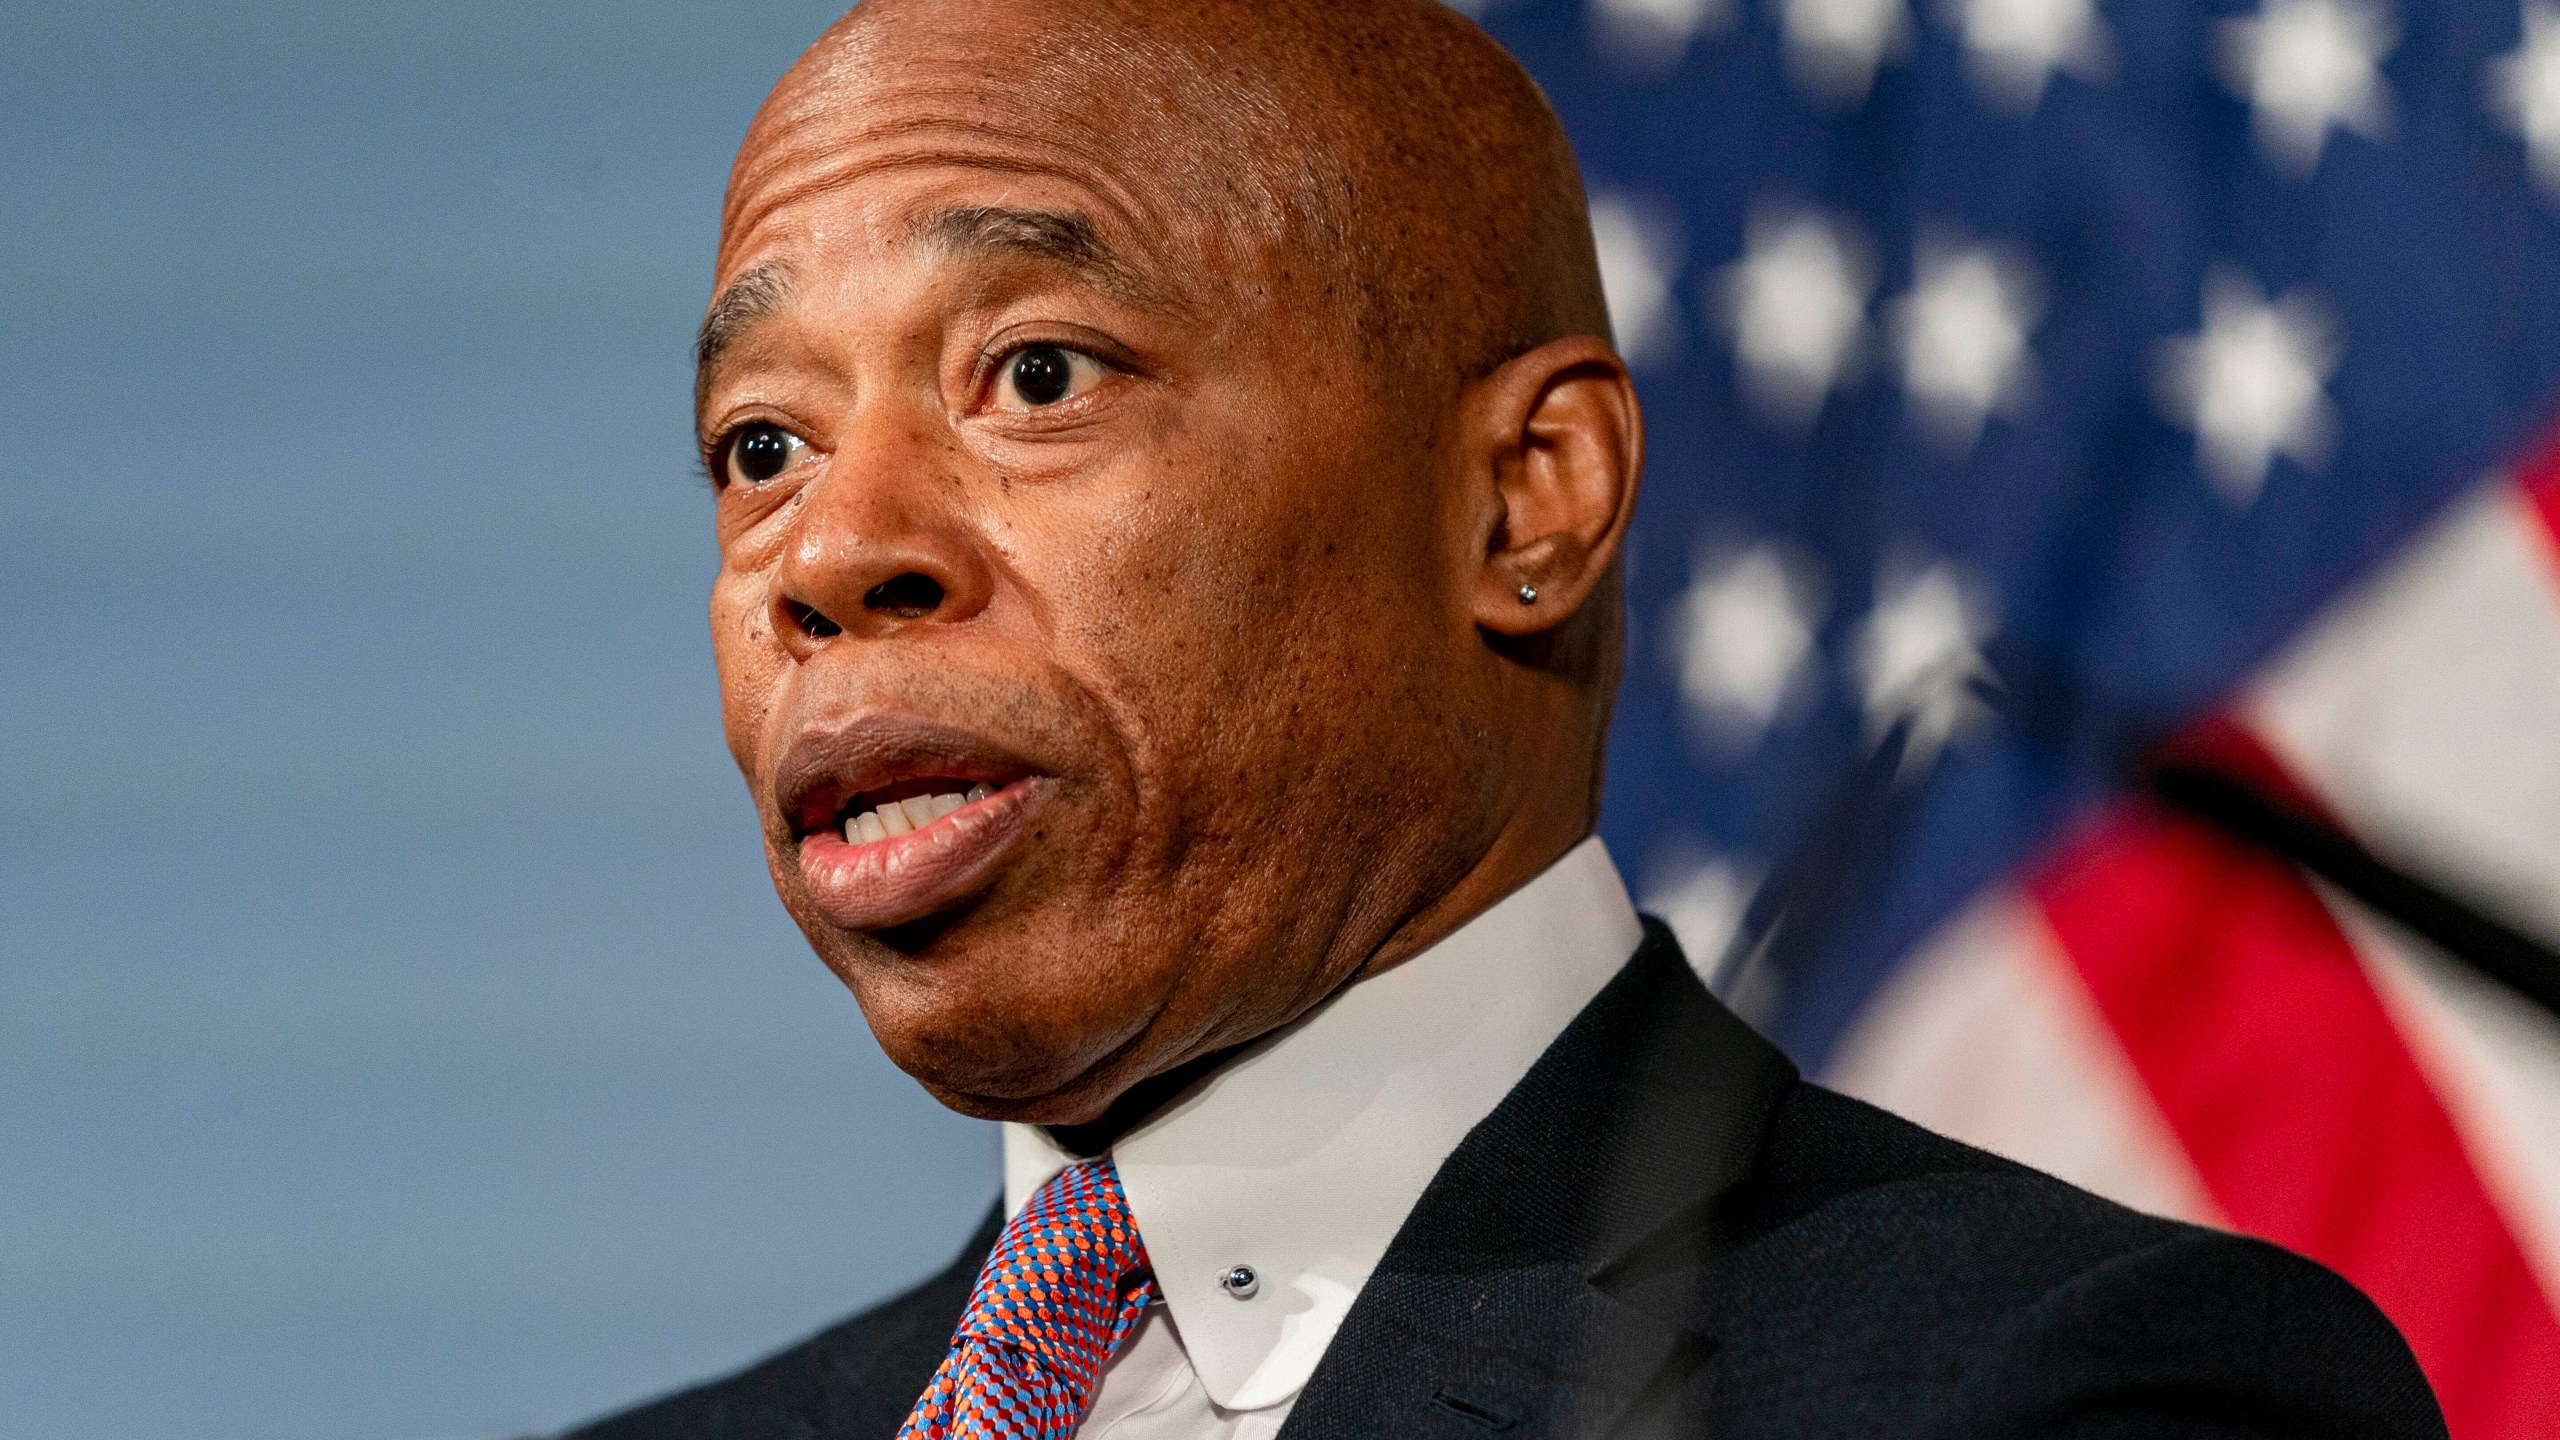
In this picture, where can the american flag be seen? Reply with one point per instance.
(2094, 683)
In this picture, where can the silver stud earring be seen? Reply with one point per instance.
(1528, 594)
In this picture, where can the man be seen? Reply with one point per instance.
(1171, 475)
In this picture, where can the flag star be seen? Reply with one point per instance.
(1835, 47)
(1741, 637)
(1963, 335)
(2525, 88)
(1796, 305)
(2308, 67)
(1703, 899)
(2250, 385)
(1640, 261)
(1918, 655)
(2014, 47)
(1655, 34)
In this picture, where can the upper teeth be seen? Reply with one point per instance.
(913, 813)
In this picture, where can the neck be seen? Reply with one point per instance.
(1534, 838)
(1521, 851)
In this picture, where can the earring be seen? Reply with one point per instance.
(1528, 594)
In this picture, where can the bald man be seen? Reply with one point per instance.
(1171, 478)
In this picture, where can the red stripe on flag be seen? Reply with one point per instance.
(2246, 1012)
(2540, 482)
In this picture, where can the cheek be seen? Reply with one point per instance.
(1242, 620)
(1172, 595)
(749, 662)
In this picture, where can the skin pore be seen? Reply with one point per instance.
(1139, 422)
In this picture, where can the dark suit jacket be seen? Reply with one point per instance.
(1664, 1231)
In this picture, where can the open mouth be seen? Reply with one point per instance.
(891, 853)
(895, 818)
(906, 807)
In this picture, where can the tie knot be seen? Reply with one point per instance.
(1066, 1283)
(1064, 1269)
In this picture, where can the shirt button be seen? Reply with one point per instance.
(1240, 1282)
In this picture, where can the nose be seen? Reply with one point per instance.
(878, 547)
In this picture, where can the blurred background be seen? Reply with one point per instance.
(398, 1034)
(2094, 686)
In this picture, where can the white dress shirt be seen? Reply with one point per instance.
(1301, 1158)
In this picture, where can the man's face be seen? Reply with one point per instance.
(1049, 483)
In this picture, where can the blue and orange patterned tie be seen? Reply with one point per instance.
(1064, 1286)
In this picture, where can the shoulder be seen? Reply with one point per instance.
(1945, 1281)
(855, 1380)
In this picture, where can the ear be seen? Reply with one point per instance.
(1552, 447)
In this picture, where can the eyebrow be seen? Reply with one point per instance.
(1058, 237)
(749, 298)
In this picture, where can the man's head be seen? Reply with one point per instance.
(1190, 427)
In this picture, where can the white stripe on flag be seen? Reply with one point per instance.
(2495, 1063)
(2425, 712)
(2425, 709)
(1989, 1036)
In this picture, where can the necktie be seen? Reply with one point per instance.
(1065, 1284)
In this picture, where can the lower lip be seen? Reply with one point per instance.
(907, 877)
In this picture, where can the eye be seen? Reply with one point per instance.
(760, 451)
(1038, 376)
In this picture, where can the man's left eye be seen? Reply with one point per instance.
(1039, 376)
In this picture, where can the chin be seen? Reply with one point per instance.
(967, 1017)
(1034, 1088)
(1079, 1104)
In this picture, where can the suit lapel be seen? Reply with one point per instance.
(1515, 1298)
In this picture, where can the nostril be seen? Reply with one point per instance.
(812, 623)
(909, 595)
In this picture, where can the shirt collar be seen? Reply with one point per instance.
(1301, 1158)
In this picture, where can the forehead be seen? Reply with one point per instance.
(948, 211)
(875, 141)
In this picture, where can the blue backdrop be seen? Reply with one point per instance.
(398, 1036)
